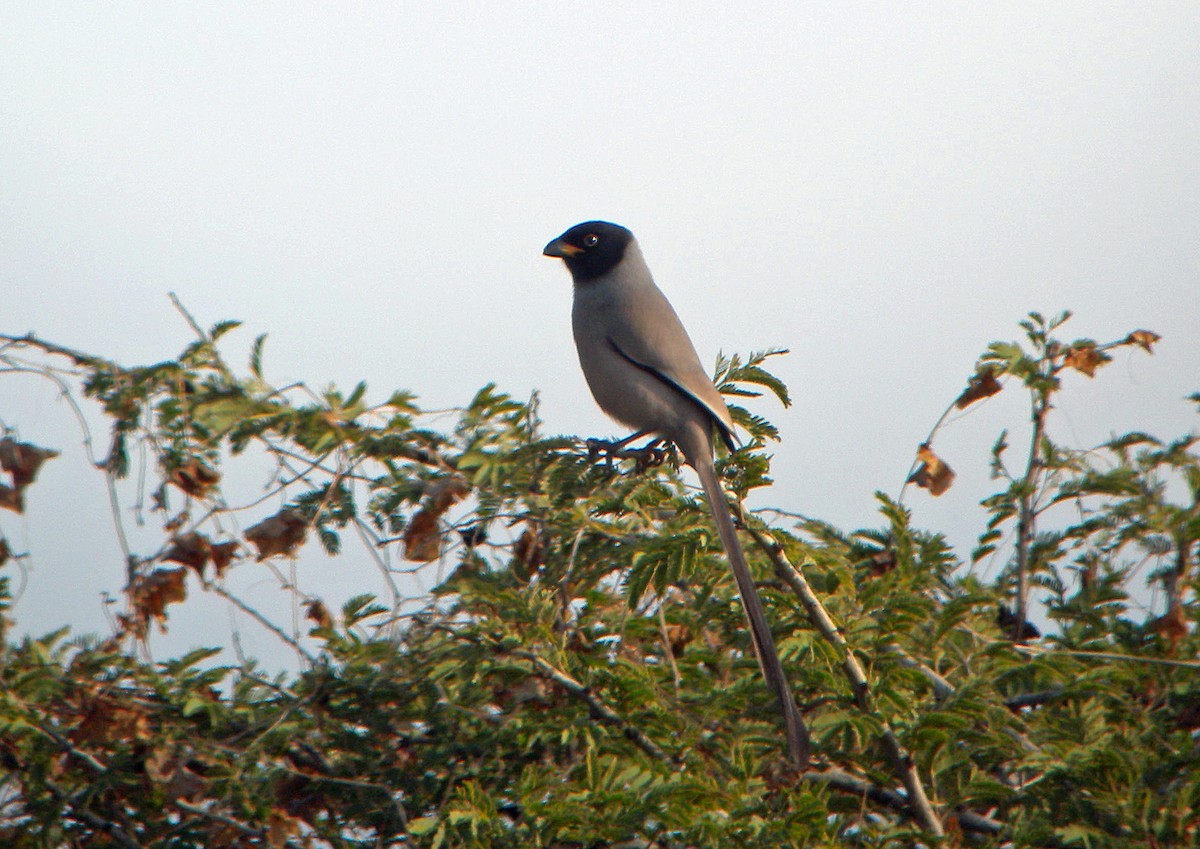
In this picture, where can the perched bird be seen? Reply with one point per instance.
(644, 372)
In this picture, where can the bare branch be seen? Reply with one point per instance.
(262, 620)
(941, 687)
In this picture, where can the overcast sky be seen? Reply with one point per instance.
(881, 188)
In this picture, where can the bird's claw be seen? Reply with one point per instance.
(652, 454)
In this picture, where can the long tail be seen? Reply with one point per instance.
(768, 656)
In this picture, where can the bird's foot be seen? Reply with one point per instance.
(652, 454)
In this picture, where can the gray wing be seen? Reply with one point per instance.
(717, 411)
(631, 317)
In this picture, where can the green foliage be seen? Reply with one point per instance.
(583, 675)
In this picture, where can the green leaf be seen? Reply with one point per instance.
(356, 396)
(194, 705)
(422, 826)
(256, 354)
(221, 328)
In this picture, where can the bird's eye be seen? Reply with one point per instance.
(590, 240)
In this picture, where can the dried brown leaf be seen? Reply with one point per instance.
(422, 536)
(280, 827)
(530, 549)
(1085, 357)
(192, 550)
(12, 499)
(933, 473)
(222, 555)
(882, 562)
(22, 460)
(282, 533)
(106, 721)
(678, 637)
(175, 522)
(316, 611)
(1171, 626)
(194, 477)
(445, 492)
(1143, 339)
(422, 541)
(151, 594)
(982, 385)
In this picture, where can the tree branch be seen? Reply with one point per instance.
(840, 780)
(262, 620)
(599, 710)
(902, 764)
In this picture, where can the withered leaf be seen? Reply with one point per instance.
(152, 593)
(446, 491)
(222, 554)
(1143, 339)
(1171, 626)
(12, 499)
(316, 611)
(530, 549)
(1087, 575)
(22, 460)
(170, 771)
(280, 828)
(678, 637)
(932, 474)
(5, 551)
(194, 477)
(192, 550)
(422, 542)
(1085, 357)
(282, 533)
(982, 385)
(530, 690)
(106, 721)
(882, 562)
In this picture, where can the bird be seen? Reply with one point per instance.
(644, 372)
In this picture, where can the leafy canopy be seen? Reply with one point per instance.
(580, 675)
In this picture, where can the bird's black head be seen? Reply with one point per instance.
(590, 249)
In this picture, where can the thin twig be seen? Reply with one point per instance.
(79, 811)
(187, 316)
(78, 357)
(1104, 655)
(838, 779)
(372, 547)
(941, 687)
(667, 650)
(1027, 513)
(1041, 697)
(236, 825)
(598, 709)
(259, 834)
(262, 620)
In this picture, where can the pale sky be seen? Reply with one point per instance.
(881, 188)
